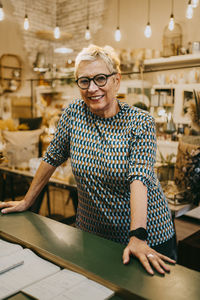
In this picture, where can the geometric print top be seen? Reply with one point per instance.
(107, 154)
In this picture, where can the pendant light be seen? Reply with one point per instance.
(195, 3)
(56, 31)
(148, 31)
(117, 31)
(171, 20)
(26, 22)
(87, 31)
(1, 12)
(189, 11)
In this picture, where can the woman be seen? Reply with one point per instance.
(112, 148)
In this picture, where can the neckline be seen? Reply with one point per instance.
(122, 105)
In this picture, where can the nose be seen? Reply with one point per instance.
(92, 87)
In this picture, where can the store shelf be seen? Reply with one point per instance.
(172, 62)
(186, 86)
(9, 67)
(10, 72)
(180, 92)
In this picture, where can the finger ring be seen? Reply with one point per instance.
(150, 255)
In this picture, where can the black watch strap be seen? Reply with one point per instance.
(140, 233)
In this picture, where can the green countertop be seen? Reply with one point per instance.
(97, 258)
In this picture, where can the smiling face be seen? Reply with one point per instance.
(100, 100)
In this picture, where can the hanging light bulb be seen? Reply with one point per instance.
(171, 23)
(117, 35)
(1, 12)
(195, 3)
(117, 31)
(171, 20)
(57, 32)
(87, 33)
(189, 11)
(148, 31)
(26, 22)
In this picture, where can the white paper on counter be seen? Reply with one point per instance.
(68, 285)
(86, 290)
(52, 286)
(7, 248)
(33, 269)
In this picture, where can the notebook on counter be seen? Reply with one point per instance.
(22, 270)
(32, 269)
(68, 285)
(194, 213)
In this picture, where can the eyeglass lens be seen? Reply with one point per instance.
(99, 80)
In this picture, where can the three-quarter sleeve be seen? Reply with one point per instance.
(59, 149)
(143, 152)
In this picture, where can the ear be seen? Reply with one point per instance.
(118, 80)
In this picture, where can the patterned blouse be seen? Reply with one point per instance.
(107, 154)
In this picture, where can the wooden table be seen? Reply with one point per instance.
(97, 258)
(8, 174)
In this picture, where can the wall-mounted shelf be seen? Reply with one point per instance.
(10, 72)
(172, 62)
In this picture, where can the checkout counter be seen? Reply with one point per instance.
(97, 258)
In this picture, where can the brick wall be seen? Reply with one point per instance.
(71, 17)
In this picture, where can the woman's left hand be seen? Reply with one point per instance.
(147, 256)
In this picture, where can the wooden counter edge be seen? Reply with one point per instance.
(125, 294)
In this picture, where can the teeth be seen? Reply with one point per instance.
(95, 97)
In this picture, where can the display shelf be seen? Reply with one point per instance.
(172, 62)
(190, 86)
(10, 72)
(164, 86)
(13, 68)
(180, 98)
(10, 78)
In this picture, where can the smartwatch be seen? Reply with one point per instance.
(139, 233)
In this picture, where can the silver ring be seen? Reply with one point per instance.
(150, 255)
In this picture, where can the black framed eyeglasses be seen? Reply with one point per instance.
(100, 80)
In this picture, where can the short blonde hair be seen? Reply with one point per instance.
(93, 52)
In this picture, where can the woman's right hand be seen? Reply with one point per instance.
(13, 206)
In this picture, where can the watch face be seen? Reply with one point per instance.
(140, 233)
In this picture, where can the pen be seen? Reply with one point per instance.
(11, 267)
